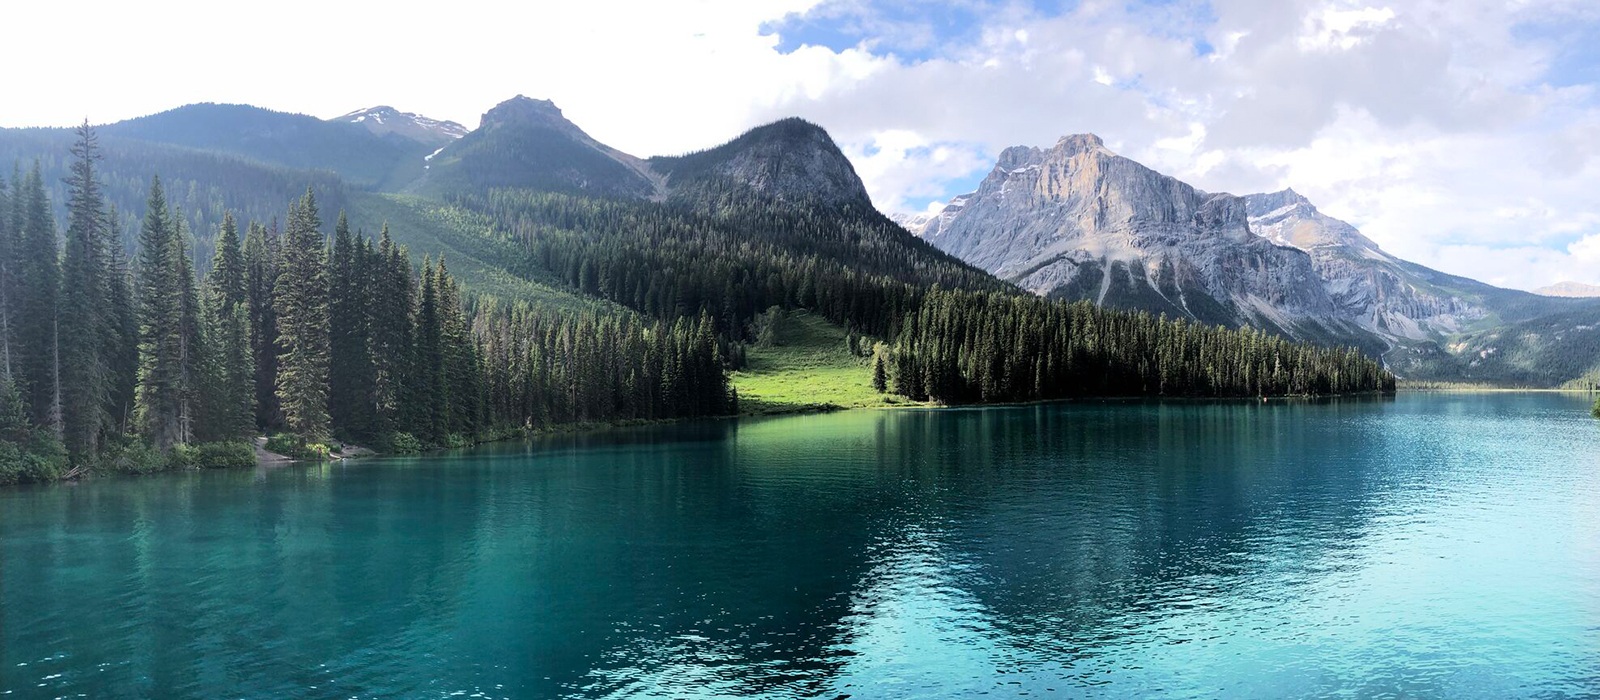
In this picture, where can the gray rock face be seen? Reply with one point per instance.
(788, 160)
(1383, 294)
(1077, 221)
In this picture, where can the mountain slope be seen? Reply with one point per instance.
(526, 143)
(1384, 294)
(201, 184)
(1440, 326)
(1077, 221)
(290, 140)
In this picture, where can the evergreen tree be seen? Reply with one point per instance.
(301, 302)
(261, 278)
(351, 370)
(84, 315)
(459, 372)
(161, 391)
(192, 353)
(880, 374)
(229, 394)
(392, 310)
(8, 288)
(431, 396)
(121, 345)
(38, 279)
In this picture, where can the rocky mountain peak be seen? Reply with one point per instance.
(791, 159)
(524, 110)
(1079, 143)
(1288, 218)
(1077, 221)
(1264, 204)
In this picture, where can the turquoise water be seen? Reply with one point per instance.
(1430, 545)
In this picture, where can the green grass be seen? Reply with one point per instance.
(807, 366)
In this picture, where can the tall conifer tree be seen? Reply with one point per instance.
(301, 302)
(84, 320)
(160, 396)
(38, 279)
(260, 255)
(230, 369)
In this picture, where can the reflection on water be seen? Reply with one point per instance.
(1443, 545)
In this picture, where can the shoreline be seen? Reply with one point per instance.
(267, 460)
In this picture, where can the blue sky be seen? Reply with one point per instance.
(1462, 134)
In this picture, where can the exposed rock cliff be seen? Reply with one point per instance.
(1080, 222)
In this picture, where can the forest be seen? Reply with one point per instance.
(140, 358)
(112, 362)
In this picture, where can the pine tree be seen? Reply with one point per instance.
(392, 309)
(8, 289)
(121, 345)
(880, 374)
(84, 321)
(230, 369)
(431, 395)
(38, 280)
(161, 389)
(260, 255)
(301, 302)
(351, 369)
(191, 341)
(460, 372)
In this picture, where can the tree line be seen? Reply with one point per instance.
(108, 362)
(951, 334)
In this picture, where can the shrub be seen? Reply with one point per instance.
(401, 444)
(285, 444)
(183, 457)
(37, 463)
(224, 455)
(295, 447)
(134, 457)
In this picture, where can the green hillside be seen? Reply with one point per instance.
(468, 242)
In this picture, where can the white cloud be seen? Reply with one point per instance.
(1342, 29)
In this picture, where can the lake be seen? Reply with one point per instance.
(1441, 545)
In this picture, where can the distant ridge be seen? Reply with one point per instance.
(1569, 289)
(383, 120)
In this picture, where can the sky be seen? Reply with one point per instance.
(1460, 134)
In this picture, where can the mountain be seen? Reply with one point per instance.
(357, 154)
(1569, 289)
(1077, 221)
(527, 143)
(383, 120)
(1438, 326)
(1385, 295)
(791, 160)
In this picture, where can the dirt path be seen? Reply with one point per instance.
(265, 458)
